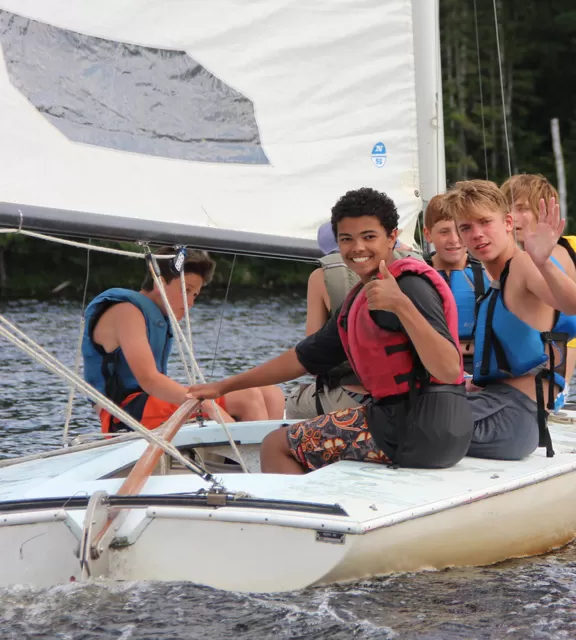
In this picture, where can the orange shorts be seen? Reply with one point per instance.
(148, 410)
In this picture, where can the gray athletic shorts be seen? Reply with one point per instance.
(505, 423)
(301, 405)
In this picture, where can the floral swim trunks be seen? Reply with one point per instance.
(340, 435)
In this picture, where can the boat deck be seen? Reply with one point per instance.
(372, 495)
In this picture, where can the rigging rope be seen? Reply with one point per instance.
(187, 317)
(36, 352)
(113, 438)
(82, 245)
(181, 340)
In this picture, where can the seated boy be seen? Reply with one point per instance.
(464, 275)
(515, 354)
(328, 287)
(127, 342)
(523, 193)
(399, 330)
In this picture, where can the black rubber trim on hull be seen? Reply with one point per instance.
(173, 500)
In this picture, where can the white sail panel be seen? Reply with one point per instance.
(300, 101)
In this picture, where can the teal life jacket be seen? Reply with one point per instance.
(467, 285)
(507, 347)
(109, 373)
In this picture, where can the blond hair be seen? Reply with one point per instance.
(465, 198)
(529, 188)
(435, 212)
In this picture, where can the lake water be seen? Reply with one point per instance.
(520, 599)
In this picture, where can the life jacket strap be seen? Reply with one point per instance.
(490, 339)
(317, 393)
(565, 242)
(544, 439)
(478, 275)
(397, 348)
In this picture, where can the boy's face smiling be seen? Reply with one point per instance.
(363, 244)
(448, 245)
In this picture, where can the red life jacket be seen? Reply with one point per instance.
(384, 361)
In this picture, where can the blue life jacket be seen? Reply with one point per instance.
(109, 372)
(467, 285)
(564, 324)
(507, 347)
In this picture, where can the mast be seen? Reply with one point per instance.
(430, 116)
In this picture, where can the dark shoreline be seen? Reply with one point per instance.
(31, 268)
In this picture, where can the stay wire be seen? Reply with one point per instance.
(78, 356)
(222, 316)
(482, 115)
(502, 92)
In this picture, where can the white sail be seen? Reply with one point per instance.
(237, 122)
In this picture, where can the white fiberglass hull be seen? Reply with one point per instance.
(347, 521)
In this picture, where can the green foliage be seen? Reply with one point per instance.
(537, 43)
(36, 268)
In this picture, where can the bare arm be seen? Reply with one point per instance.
(317, 312)
(130, 330)
(438, 355)
(542, 277)
(549, 284)
(281, 369)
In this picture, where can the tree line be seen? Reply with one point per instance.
(503, 86)
(503, 82)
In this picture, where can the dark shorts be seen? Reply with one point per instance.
(341, 435)
(505, 423)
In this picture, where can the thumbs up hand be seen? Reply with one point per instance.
(383, 293)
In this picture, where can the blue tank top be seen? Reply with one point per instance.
(109, 372)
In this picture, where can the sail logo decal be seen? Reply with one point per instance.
(379, 155)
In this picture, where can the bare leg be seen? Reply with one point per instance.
(246, 405)
(275, 402)
(275, 456)
(213, 411)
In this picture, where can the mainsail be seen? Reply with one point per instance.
(223, 124)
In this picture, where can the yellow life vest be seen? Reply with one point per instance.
(571, 241)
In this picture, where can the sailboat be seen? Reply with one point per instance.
(235, 126)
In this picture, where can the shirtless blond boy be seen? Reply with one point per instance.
(515, 357)
(523, 193)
